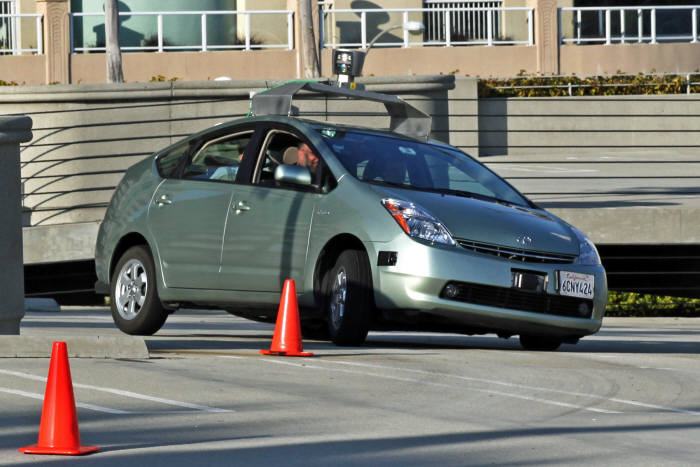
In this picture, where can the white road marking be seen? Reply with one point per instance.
(119, 392)
(97, 408)
(522, 386)
(432, 383)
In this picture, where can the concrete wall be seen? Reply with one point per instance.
(625, 169)
(86, 136)
(609, 165)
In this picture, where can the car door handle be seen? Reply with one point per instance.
(163, 200)
(241, 206)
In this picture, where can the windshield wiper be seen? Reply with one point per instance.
(388, 183)
(445, 191)
(479, 196)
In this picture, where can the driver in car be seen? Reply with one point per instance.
(306, 157)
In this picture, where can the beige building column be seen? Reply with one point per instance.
(546, 35)
(56, 39)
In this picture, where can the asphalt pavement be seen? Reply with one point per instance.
(630, 395)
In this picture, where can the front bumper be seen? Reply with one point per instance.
(415, 282)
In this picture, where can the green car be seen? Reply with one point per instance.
(378, 229)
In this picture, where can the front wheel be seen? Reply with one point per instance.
(348, 291)
(136, 308)
(547, 344)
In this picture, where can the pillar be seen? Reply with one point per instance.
(546, 36)
(13, 130)
(56, 39)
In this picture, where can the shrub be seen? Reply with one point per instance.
(162, 78)
(606, 85)
(635, 304)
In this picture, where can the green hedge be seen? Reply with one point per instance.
(605, 85)
(634, 304)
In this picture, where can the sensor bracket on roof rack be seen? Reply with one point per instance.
(405, 119)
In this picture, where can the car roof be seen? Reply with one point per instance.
(303, 124)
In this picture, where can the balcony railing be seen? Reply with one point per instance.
(608, 25)
(465, 21)
(11, 34)
(158, 43)
(462, 24)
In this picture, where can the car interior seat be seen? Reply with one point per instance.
(290, 155)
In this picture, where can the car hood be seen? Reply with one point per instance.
(491, 222)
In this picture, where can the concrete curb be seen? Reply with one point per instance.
(41, 304)
(78, 346)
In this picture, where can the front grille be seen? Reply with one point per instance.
(515, 299)
(514, 254)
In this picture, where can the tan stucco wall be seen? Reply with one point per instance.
(473, 61)
(24, 69)
(90, 68)
(281, 64)
(629, 58)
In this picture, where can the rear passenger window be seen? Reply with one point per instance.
(218, 160)
(167, 163)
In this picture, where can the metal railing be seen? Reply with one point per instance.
(489, 34)
(610, 25)
(161, 44)
(465, 21)
(11, 37)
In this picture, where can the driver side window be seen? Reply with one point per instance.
(219, 159)
(279, 148)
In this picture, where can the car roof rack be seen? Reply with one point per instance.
(405, 119)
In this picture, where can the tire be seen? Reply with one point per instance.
(348, 304)
(541, 343)
(136, 307)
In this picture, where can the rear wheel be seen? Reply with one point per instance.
(136, 308)
(548, 344)
(348, 292)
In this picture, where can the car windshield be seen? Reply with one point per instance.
(384, 160)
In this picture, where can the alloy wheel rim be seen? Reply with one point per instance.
(131, 289)
(338, 297)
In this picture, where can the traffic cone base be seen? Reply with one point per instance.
(58, 431)
(287, 354)
(286, 341)
(36, 449)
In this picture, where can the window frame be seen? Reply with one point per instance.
(201, 146)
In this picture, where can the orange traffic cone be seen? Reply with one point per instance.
(58, 432)
(287, 337)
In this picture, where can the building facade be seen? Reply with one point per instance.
(62, 41)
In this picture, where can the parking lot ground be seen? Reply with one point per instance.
(628, 395)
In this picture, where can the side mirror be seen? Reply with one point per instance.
(293, 174)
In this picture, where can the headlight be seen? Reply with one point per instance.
(417, 222)
(588, 254)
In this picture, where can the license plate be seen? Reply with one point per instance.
(575, 284)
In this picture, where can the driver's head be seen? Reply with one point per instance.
(306, 157)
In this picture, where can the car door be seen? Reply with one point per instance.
(268, 230)
(187, 216)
